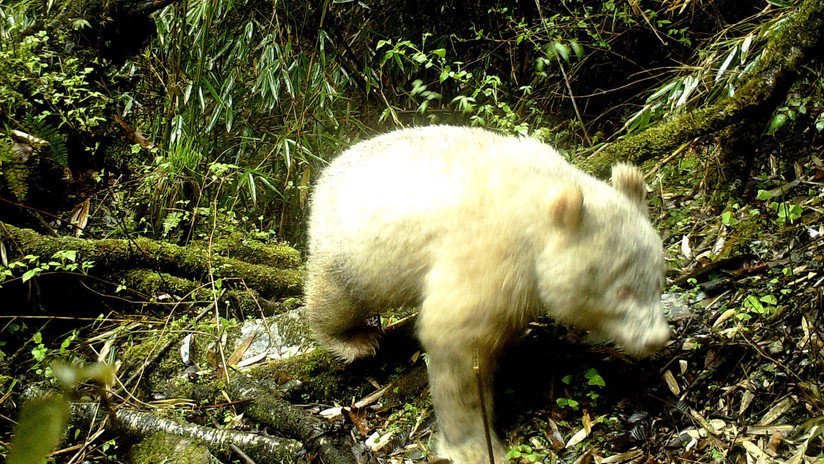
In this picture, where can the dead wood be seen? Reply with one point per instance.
(269, 408)
(192, 263)
(140, 424)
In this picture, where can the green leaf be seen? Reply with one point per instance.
(728, 219)
(41, 426)
(252, 187)
(562, 50)
(594, 378)
(577, 49)
(763, 195)
(794, 213)
(754, 303)
(39, 352)
(777, 122)
(563, 402)
(769, 299)
(30, 273)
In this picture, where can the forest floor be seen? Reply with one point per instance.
(741, 380)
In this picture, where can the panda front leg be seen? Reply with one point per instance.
(460, 367)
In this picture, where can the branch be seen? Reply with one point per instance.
(189, 262)
(268, 408)
(154, 283)
(134, 423)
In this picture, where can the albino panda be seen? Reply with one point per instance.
(484, 233)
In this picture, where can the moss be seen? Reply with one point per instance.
(17, 179)
(277, 255)
(152, 282)
(319, 376)
(162, 447)
(186, 262)
(164, 376)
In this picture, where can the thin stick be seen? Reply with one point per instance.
(477, 368)
(566, 79)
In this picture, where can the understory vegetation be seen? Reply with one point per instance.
(156, 164)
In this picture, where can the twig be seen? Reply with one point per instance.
(477, 368)
(566, 79)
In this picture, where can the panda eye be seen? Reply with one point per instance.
(624, 293)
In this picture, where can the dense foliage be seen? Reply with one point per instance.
(259, 95)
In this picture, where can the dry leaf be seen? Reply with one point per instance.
(80, 217)
(798, 456)
(755, 452)
(556, 440)
(718, 245)
(372, 397)
(672, 383)
(723, 317)
(685, 246)
(708, 426)
(776, 411)
(586, 421)
(577, 438)
(237, 355)
(775, 441)
(683, 365)
(689, 345)
(358, 418)
(252, 360)
(746, 399)
(769, 429)
(332, 414)
(585, 458)
(622, 457)
(376, 442)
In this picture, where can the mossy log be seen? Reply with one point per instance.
(192, 263)
(139, 424)
(270, 409)
(239, 247)
(153, 284)
(785, 53)
(163, 447)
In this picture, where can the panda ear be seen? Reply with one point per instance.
(566, 208)
(629, 180)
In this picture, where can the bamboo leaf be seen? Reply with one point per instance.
(725, 64)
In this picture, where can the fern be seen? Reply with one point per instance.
(57, 149)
